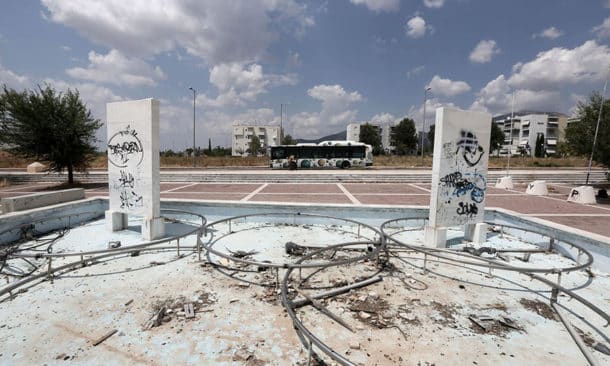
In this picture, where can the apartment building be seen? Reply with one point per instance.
(521, 134)
(269, 135)
(384, 130)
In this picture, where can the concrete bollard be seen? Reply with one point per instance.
(537, 188)
(584, 195)
(505, 183)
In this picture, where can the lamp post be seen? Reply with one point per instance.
(599, 117)
(510, 147)
(423, 129)
(281, 122)
(194, 96)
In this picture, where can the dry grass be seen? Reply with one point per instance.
(101, 162)
(494, 162)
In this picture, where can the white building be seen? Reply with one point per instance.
(269, 135)
(384, 130)
(527, 127)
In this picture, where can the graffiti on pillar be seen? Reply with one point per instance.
(125, 155)
(125, 147)
(461, 164)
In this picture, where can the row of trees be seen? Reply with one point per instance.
(58, 128)
(406, 141)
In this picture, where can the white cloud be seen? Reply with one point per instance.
(384, 118)
(116, 68)
(66, 48)
(576, 99)
(484, 51)
(434, 3)
(336, 112)
(13, 80)
(415, 71)
(416, 112)
(606, 4)
(496, 97)
(416, 27)
(603, 30)
(447, 87)
(378, 5)
(217, 31)
(550, 33)
(238, 84)
(561, 66)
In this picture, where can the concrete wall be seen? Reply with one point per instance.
(35, 200)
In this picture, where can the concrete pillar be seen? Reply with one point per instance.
(459, 172)
(476, 233)
(133, 165)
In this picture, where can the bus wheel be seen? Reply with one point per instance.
(345, 164)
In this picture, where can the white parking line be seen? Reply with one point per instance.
(353, 199)
(418, 187)
(253, 193)
(177, 188)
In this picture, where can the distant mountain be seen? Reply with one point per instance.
(336, 136)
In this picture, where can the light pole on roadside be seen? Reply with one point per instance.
(194, 97)
(510, 147)
(426, 90)
(599, 117)
(281, 122)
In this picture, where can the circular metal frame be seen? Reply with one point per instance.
(377, 244)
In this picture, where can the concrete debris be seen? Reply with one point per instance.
(602, 348)
(294, 249)
(241, 253)
(104, 337)
(189, 311)
(114, 244)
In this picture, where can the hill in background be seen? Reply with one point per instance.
(336, 136)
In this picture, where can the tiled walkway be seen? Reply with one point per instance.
(592, 218)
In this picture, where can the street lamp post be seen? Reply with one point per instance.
(194, 96)
(599, 117)
(281, 122)
(510, 147)
(426, 90)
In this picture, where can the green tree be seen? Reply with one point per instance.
(579, 135)
(209, 146)
(288, 140)
(369, 134)
(254, 146)
(48, 125)
(539, 149)
(431, 135)
(405, 136)
(496, 139)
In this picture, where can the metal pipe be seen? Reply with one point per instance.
(337, 291)
(599, 117)
(575, 336)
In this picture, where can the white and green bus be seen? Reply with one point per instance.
(326, 154)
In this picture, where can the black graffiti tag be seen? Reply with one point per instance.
(468, 209)
(462, 185)
(125, 146)
(472, 151)
(450, 180)
(130, 199)
(126, 180)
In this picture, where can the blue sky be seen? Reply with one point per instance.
(331, 62)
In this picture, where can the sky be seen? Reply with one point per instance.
(328, 62)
